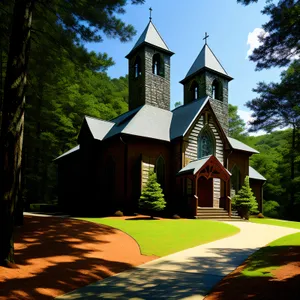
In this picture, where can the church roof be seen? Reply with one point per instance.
(253, 174)
(237, 145)
(183, 117)
(194, 166)
(76, 148)
(206, 59)
(152, 37)
(152, 122)
(99, 128)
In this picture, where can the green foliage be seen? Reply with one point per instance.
(178, 103)
(278, 105)
(237, 127)
(152, 197)
(283, 26)
(244, 201)
(271, 209)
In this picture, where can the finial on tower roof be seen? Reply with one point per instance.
(206, 37)
(150, 9)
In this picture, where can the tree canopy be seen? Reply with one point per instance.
(46, 61)
(237, 126)
(280, 45)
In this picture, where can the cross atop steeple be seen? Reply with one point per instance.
(150, 9)
(206, 37)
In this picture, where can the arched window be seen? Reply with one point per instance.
(157, 65)
(206, 143)
(160, 171)
(235, 179)
(137, 67)
(194, 89)
(217, 90)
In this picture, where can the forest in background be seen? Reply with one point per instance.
(66, 82)
(273, 162)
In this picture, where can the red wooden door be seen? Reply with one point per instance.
(205, 192)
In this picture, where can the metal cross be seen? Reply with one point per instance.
(206, 37)
(150, 9)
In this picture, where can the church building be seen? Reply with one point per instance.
(197, 164)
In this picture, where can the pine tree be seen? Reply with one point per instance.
(152, 198)
(245, 201)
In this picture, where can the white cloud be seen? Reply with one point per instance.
(246, 117)
(253, 40)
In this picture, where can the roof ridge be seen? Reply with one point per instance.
(98, 119)
(185, 105)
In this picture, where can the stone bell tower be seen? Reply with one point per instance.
(149, 70)
(207, 77)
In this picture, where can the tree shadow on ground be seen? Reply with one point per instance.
(192, 277)
(56, 255)
(281, 283)
(175, 278)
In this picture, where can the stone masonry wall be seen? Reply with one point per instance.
(157, 88)
(220, 107)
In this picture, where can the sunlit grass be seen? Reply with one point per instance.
(163, 237)
(261, 263)
(276, 222)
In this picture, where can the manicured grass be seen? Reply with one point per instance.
(163, 237)
(265, 260)
(276, 222)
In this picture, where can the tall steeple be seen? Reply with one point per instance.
(207, 77)
(149, 70)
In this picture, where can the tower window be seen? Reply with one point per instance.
(157, 65)
(206, 143)
(137, 67)
(194, 89)
(217, 89)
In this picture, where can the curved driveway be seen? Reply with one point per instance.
(188, 274)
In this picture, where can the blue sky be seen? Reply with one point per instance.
(182, 25)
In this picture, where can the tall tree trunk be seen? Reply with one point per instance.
(11, 140)
(292, 185)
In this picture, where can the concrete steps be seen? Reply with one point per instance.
(218, 214)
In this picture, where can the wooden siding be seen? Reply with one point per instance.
(191, 151)
(146, 167)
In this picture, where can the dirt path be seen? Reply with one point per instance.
(285, 283)
(58, 255)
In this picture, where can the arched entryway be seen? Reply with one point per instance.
(202, 173)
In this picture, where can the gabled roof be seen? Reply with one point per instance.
(253, 174)
(206, 59)
(99, 128)
(237, 145)
(184, 116)
(219, 171)
(194, 166)
(148, 121)
(151, 37)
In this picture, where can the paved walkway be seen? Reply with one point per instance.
(188, 274)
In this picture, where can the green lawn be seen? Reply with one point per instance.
(265, 260)
(276, 222)
(163, 237)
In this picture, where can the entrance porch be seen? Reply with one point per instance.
(199, 178)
